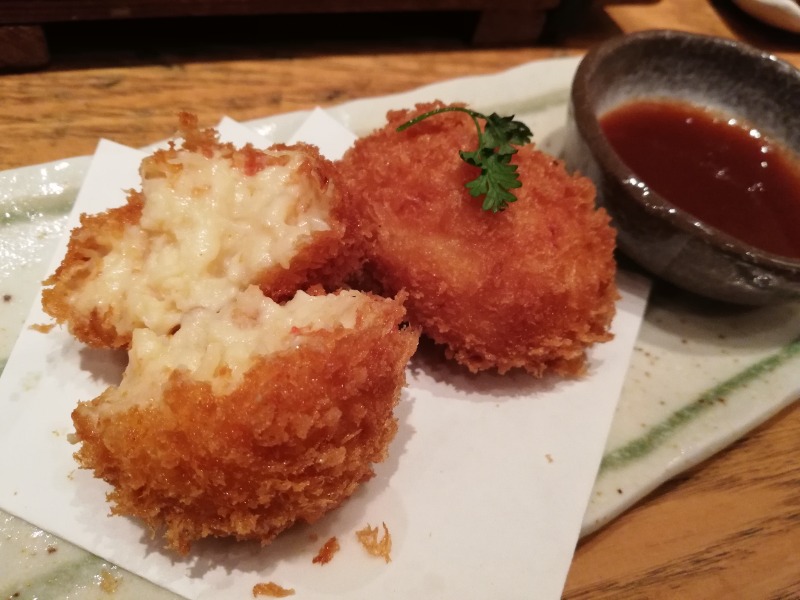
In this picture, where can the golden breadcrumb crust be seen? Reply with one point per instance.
(292, 442)
(529, 287)
(88, 244)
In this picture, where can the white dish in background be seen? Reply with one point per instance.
(784, 14)
(669, 416)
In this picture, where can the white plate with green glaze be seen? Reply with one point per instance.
(702, 374)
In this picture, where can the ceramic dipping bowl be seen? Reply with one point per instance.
(713, 73)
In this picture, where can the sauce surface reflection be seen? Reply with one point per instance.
(719, 169)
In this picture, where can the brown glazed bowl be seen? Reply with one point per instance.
(715, 73)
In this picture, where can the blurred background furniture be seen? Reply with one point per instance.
(23, 36)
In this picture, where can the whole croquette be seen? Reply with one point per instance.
(209, 220)
(250, 418)
(530, 287)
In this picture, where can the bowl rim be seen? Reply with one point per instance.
(588, 124)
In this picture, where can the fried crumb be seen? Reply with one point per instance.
(272, 590)
(43, 327)
(368, 537)
(52, 549)
(6, 297)
(108, 583)
(549, 457)
(327, 551)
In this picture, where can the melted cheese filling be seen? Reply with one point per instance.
(207, 231)
(220, 347)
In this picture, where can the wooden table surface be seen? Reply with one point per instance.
(728, 529)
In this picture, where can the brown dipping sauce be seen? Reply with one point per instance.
(722, 171)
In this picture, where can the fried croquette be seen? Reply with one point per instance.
(530, 287)
(251, 418)
(209, 220)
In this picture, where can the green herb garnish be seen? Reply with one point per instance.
(493, 156)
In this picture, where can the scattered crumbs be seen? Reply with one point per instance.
(56, 433)
(662, 403)
(71, 475)
(52, 549)
(598, 493)
(271, 589)
(43, 327)
(368, 537)
(549, 457)
(619, 490)
(108, 583)
(7, 298)
(647, 374)
(684, 341)
(721, 400)
(327, 551)
(15, 595)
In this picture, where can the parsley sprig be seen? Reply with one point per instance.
(496, 146)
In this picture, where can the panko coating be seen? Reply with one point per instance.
(530, 287)
(209, 220)
(251, 418)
